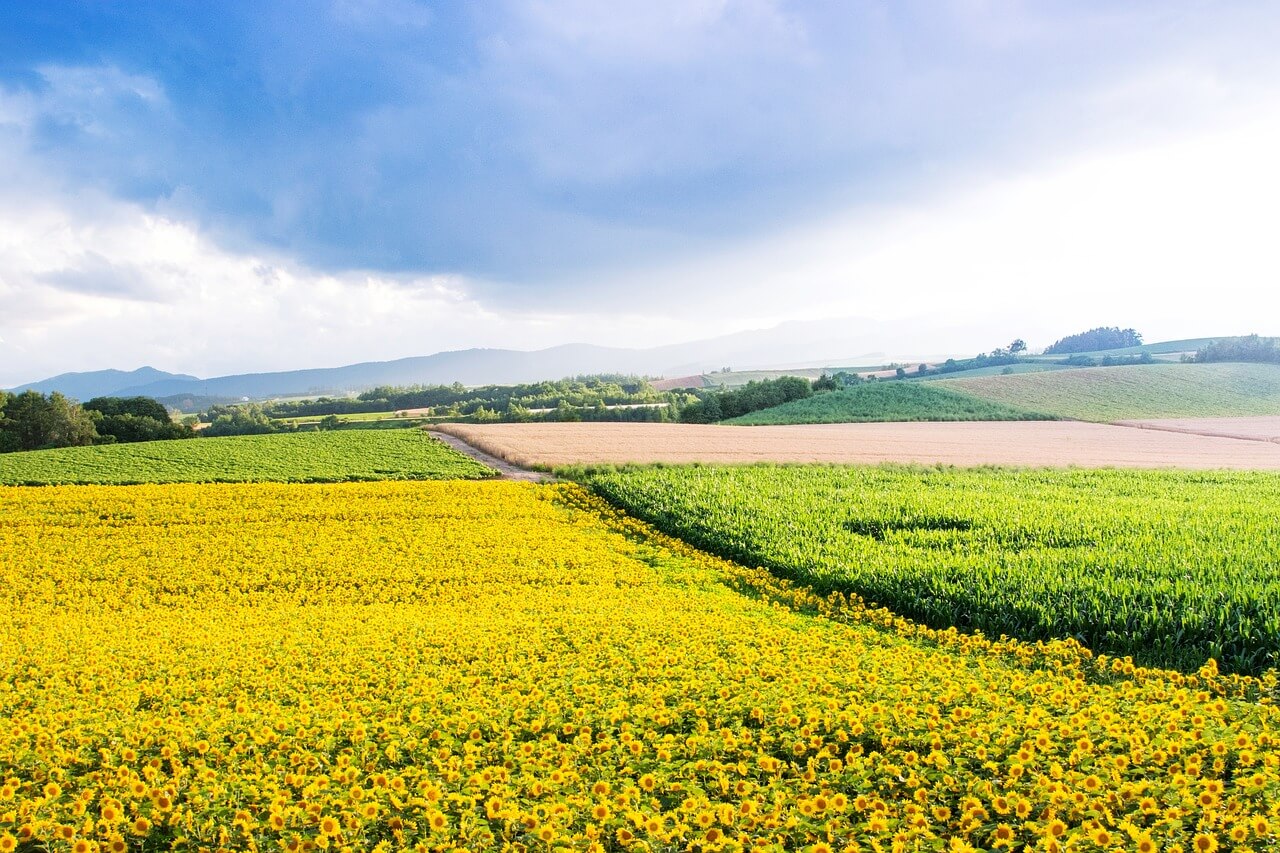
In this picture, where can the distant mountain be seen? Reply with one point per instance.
(470, 367)
(839, 342)
(102, 383)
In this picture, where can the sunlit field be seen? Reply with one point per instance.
(477, 666)
(300, 457)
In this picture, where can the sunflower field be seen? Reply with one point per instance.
(500, 666)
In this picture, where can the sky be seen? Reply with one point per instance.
(229, 187)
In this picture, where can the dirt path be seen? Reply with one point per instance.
(1264, 428)
(506, 471)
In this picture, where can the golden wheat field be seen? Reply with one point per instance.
(1017, 443)
(502, 666)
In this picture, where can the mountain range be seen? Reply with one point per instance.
(839, 342)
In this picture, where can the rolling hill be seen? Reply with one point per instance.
(886, 401)
(1135, 391)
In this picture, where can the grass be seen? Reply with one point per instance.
(886, 401)
(1169, 567)
(289, 457)
(1136, 391)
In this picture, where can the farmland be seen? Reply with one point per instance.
(987, 443)
(399, 418)
(1249, 429)
(1169, 567)
(300, 457)
(886, 401)
(1134, 392)
(459, 665)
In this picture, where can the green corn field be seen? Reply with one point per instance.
(1171, 568)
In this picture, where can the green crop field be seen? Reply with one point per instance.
(359, 416)
(886, 401)
(1169, 567)
(287, 457)
(997, 370)
(356, 418)
(1136, 391)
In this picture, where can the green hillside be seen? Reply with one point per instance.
(287, 457)
(1136, 391)
(995, 370)
(886, 401)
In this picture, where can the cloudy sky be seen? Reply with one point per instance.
(224, 187)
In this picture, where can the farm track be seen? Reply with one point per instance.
(505, 469)
(1026, 443)
(1265, 428)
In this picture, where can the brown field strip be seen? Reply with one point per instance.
(1024, 443)
(1264, 428)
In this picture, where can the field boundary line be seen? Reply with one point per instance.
(1208, 433)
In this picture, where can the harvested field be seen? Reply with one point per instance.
(1251, 429)
(1035, 443)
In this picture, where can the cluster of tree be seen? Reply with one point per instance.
(837, 381)
(32, 421)
(1107, 360)
(129, 419)
(241, 419)
(1248, 348)
(718, 405)
(1017, 347)
(456, 399)
(953, 365)
(637, 413)
(1094, 340)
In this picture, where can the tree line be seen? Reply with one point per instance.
(34, 421)
(1095, 340)
(1247, 348)
(765, 394)
(457, 399)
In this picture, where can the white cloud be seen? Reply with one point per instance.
(188, 305)
(1172, 232)
(1176, 238)
(89, 281)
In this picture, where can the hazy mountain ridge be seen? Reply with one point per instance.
(832, 342)
(102, 383)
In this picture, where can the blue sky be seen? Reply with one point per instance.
(212, 187)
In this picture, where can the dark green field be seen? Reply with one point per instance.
(887, 401)
(1169, 567)
(287, 457)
